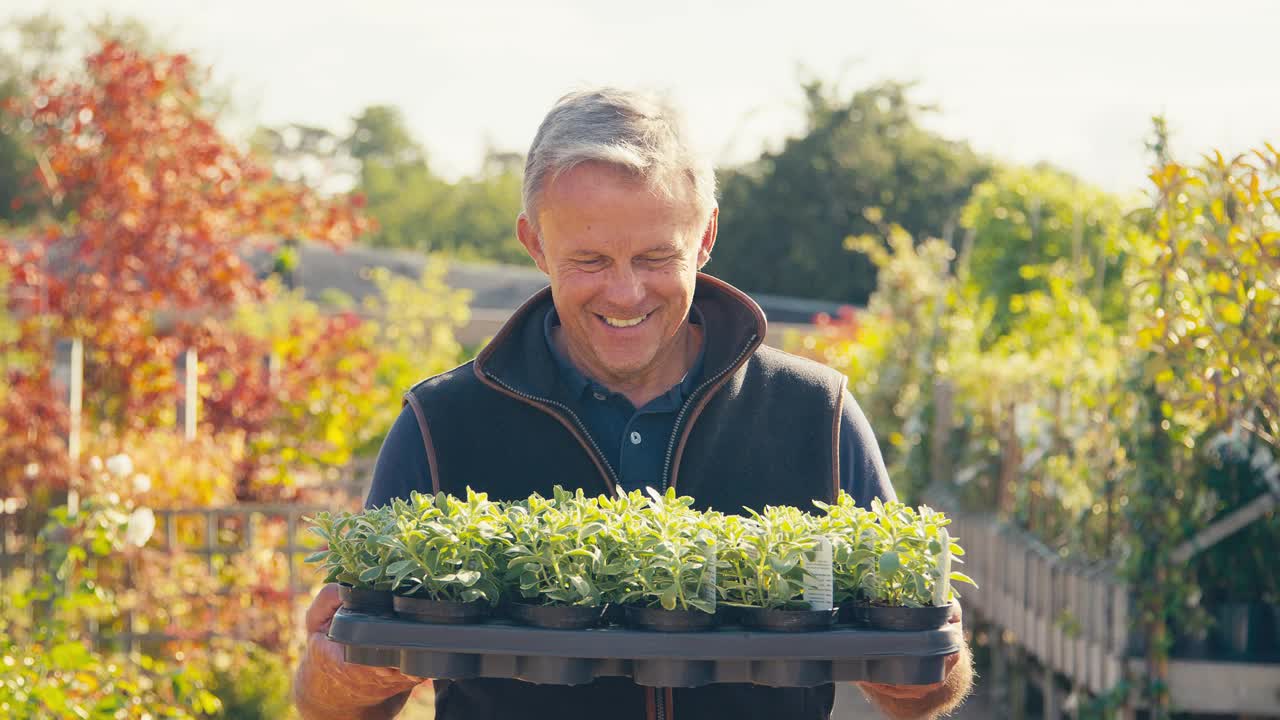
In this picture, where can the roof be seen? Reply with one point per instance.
(493, 286)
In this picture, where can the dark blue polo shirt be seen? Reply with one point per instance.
(634, 440)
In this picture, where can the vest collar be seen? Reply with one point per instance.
(518, 361)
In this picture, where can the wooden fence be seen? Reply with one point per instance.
(214, 535)
(221, 534)
(1069, 629)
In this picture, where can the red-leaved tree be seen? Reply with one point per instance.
(155, 213)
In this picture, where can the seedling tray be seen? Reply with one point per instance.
(500, 649)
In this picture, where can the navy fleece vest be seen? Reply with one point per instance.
(761, 429)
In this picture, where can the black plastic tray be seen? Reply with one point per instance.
(500, 649)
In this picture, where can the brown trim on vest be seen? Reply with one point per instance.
(671, 703)
(835, 440)
(477, 367)
(762, 327)
(430, 447)
(586, 444)
(693, 416)
(545, 294)
(650, 704)
(507, 328)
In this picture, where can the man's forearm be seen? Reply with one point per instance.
(943, 700)
(309, 709)
(320, 698)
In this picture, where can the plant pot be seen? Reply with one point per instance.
(648, 618)
(786, 620)
(727, 615)
(881, 617)
(364, 600)
(442, 612)
(613, 614)
(558, 617)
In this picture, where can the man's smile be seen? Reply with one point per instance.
(616, 322)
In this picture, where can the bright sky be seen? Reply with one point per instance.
(1073, 83)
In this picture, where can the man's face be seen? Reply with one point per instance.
(623, 261)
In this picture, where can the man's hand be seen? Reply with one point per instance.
(909, 702)
(326, 686)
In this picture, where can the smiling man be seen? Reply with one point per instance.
(632, 369)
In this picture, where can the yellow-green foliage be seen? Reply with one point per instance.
(1036, 217)
(403, 334)
(414, 325)
(1208, 303)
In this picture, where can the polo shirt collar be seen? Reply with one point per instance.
(579, 385)
(519, 360)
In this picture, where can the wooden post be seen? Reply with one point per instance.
(999, 683)
(1052, 701)
(940, 445)
(271, 366)
(291, 528)
(68, 383)
(188, 384)
(210, 537)
(1018, 685)
(1158, 662)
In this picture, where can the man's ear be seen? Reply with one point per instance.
(708, 238)
(532, 242)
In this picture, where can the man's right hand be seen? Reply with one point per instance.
(326, 686)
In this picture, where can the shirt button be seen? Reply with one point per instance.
(598, 396)
(635, 438)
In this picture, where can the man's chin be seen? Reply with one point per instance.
(626, 369)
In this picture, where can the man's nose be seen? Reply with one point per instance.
(626, 288)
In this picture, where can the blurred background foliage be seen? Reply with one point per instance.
(1099, 370)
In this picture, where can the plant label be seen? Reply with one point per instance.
(818, 577)
(942, 587)
(709, 583)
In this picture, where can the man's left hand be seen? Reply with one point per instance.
(895, 694)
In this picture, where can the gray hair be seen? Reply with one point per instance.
(641, 133)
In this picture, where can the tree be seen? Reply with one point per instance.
(473, 218)
(39, 39)
(861, 163)
(1023, 221)
(1207, 300)
(158, 211)
(44, 46)
(380, 136)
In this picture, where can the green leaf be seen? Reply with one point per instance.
(369, 575)
(961, 577)
(399, 566)
(783, 565)
(581, 586)
(705, 606)
(889, 562)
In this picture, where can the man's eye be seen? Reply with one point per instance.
(659, 260)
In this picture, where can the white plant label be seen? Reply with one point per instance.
(709, 584)
(818, 579)
(942, 588)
